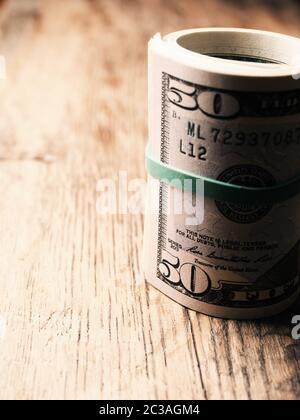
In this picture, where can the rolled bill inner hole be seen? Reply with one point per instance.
(244, 58)
(250, 48)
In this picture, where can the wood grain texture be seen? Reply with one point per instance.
(78, 320)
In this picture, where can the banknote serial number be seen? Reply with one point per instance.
(267, 139)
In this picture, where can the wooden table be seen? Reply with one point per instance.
(77, 320)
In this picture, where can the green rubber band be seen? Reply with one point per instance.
(223, 191)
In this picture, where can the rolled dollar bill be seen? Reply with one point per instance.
(223, 210)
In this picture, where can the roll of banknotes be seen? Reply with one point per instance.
(222, 221)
